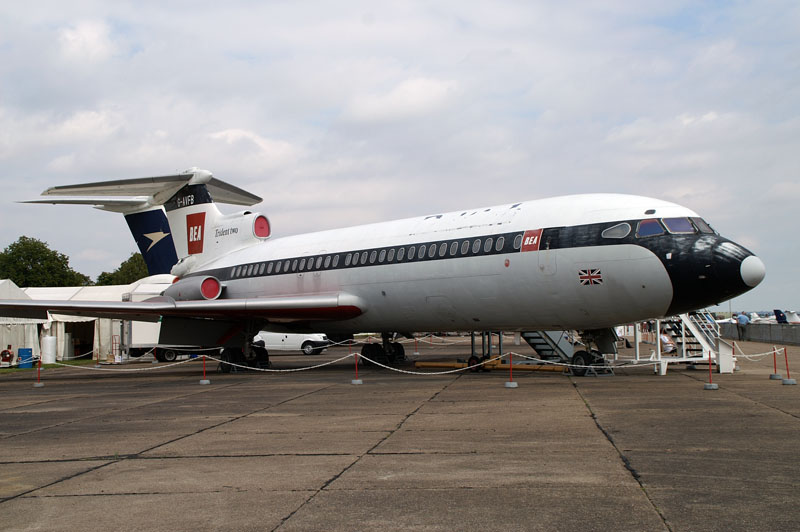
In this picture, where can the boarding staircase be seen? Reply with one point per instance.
(553, 346)
(696, 336)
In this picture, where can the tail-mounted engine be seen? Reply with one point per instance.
(195, 289)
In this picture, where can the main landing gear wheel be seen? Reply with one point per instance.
(229, 354)
(170, 355)
(473, 363)
(397, 353)
(580, 360)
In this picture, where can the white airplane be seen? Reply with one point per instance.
(584, 262)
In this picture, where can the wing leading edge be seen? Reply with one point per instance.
(324, 307)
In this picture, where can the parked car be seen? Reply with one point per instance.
(309, 344)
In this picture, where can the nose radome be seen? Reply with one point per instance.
(752, 271)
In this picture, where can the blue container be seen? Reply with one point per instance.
(25, 355)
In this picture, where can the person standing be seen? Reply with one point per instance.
(741, 325)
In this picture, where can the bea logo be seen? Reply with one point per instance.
(531, 240)
(195, 225)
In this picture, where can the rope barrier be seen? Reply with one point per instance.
(268, 370)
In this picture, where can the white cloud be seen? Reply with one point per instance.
(410, 99)
(86, 41)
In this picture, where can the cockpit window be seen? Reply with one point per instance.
(617, 231)
(702, 226)
(679, 226)
(649, 227)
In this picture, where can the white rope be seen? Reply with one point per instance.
(267, 370)
(152, 368)
(398, 370)
(568, 365)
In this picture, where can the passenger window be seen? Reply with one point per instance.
(400, 254)
(465, 247)
(347, 259)
(453, 249)
(319, 261)
(517, 242)
(335, 260)
(294, 265)
(363, 257)
(422, 251)
(500, 243)
(286, 265)
(476, 246)
(278, 267)
(411, 252)
(617, 231)
(373, 256)
(649, 227)
(233, 272)
(680, 226)
(487, 246)
(250, 270)
(310, 265)
(261, 268)
(382, 255)
(269, 268)
(327, 262)
(390, 255)
(432, 251)
(302, 264)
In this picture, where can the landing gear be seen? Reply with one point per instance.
(235, 359)
(387, 353)
(581, 361)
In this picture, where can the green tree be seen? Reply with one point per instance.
(129, 271)
(31, 262)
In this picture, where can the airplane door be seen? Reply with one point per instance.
(548, 250)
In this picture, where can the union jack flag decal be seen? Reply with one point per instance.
(590, 276)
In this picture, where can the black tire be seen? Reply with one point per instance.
(398, 352)
(474, 361)
(229, 355)
(580, 358)
(308, 348)
(170, 355)
(159, 355)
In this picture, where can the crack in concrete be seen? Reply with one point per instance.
(623, 457)
(116, 411)
(738, 394)
(368, 451)
(133, 456)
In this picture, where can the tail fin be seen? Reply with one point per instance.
(780, 317)
(190, 214)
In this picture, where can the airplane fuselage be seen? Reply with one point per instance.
(572, 262)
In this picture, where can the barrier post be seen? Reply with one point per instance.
(204, 379)
(416, 347)
(510, 383)
(788, 379)
(39, 383)
(356, 380)
(775, 375)
(710, 385)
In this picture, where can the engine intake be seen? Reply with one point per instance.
(195, 289)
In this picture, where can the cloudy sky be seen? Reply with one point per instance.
(340, 113)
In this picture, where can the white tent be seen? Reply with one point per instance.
(18, 332)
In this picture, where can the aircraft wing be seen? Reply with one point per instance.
(325, 307)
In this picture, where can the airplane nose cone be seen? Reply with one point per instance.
(752, 271)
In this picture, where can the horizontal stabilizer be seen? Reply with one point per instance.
(158, 190)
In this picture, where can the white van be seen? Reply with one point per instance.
(309, 344)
